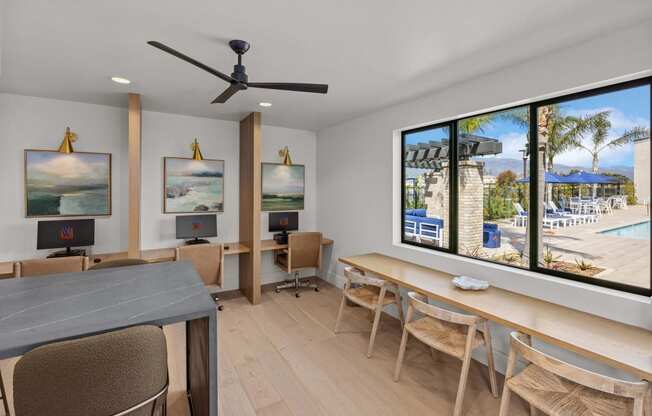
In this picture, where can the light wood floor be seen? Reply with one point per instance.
(282, 358)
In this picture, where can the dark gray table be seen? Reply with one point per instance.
(39, 310)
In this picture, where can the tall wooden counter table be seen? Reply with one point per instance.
(46, 309)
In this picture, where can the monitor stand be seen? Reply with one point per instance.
(196, 241)
(68, 252)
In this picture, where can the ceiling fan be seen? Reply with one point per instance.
(238, 79)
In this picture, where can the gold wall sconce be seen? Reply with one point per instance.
(68, 139)
(196, 152)
(284, 154)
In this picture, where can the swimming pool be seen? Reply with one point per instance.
(640, 231)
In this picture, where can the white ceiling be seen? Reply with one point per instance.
(373, 53)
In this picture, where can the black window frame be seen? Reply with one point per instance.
(533, 208)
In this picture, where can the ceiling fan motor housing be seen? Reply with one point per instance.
(239, 73)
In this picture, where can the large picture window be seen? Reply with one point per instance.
(575, 205)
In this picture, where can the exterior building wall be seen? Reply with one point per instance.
(642, 170)
(437, 199)
(470, 206)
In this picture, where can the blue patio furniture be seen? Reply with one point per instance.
(490, 236)
(419, 225)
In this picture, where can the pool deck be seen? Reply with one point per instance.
(625, 260)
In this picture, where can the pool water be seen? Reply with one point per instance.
(640, 231)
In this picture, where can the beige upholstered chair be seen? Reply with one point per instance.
(3, 396)
(117, 373)
(110, 264)
(561, 389)
(40, 267)
(370, 293)
(303, 252)
(208, 259)
(454, 333)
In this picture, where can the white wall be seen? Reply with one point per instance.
(303, 149)
(358, 169)
(38, 123)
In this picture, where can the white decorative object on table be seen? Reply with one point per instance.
(469, 283)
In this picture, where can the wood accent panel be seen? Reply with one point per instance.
(134, 174)
(271, 245)
(616, 344)
(250, 200)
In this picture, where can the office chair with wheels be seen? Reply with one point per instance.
(303, 252)
(117, 373)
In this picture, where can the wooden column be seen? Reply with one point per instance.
(134, 175)
(250, 204)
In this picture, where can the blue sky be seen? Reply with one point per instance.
(628, 108)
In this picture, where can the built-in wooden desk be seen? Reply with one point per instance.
(6, 268)
(619, 345)
(271, 245)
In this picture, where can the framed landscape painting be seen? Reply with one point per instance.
(283, 187)
(67, 184)
(193, 185)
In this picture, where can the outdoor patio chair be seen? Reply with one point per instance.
(410, 229)
(431, 232)
(578, 218)
(520, 219)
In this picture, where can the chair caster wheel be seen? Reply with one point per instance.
(297, 295)
(220, 308)
(277, 290)
(316, 289)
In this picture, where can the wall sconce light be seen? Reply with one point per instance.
(284, 154)
(196, 153)
(68, 139)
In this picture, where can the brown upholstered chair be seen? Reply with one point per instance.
(450, 332)
(110, 264)
(208, 259)
(561, 389)
(303, 252)
(39, 267)
(117, 373)
(371, 293)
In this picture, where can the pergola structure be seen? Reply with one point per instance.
(431, 155)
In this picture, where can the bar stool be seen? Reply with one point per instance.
(372, 294)
(561, 389)
(454, 333)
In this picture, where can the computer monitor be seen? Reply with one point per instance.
(196, 226)
(65, 234)
(283, 221)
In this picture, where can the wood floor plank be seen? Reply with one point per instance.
(256, 384)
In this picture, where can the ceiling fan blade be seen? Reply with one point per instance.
(227, 94)
(288, 86)
(190, 60)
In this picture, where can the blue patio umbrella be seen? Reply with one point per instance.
(548, 177)
(588, 178)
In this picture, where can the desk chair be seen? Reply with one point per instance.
(303, 252)
(372, 294)
(561, 389)
(117, 373)
(454, 333)
(29, 268)
(208, 260)
(110, 264)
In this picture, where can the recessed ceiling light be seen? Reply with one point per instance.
(264, 104)
(120, 80)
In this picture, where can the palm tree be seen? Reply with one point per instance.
(599, 125)
(475, 124)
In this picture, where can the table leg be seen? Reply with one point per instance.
(201, 364)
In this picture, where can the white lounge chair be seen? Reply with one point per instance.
(520, 219)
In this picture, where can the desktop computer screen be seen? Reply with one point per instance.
(65, 234)
(196, 226)
(283, 221)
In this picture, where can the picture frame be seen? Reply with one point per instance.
(77, 184)
(283, 187)
(193, 186)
